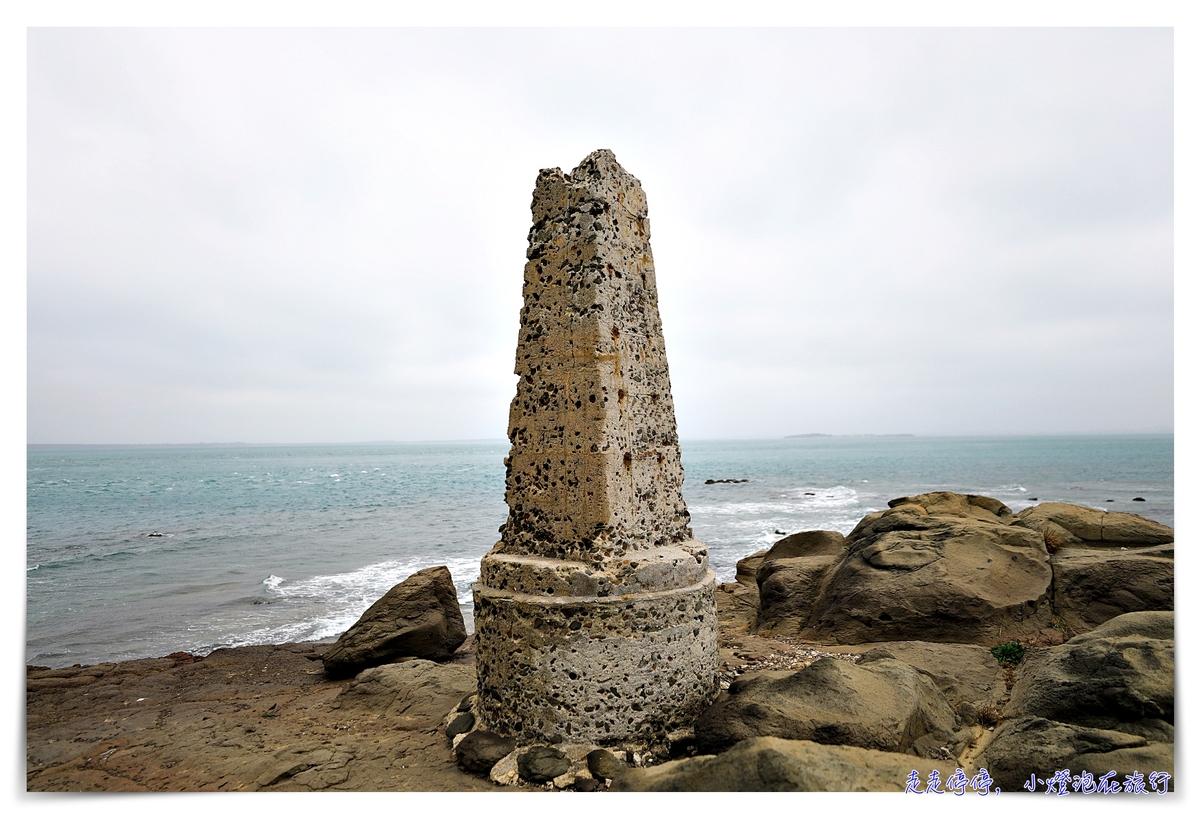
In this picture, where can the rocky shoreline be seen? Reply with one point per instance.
(845, 663)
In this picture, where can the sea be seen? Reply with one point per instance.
(140, 551)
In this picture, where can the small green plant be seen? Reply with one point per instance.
(1009, 653)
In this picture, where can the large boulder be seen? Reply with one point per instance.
(1092, 526)
(938, 567)
(1033, 746)
(1102, 701)
(790, 577)
(737, 601)
(1105, 563)
(419, 618)
(1093, 585)
(780, 765)
(881, 705)
(1119, 674)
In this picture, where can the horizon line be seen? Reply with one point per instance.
(803, 436)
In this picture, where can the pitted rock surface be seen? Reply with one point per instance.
(595, 613)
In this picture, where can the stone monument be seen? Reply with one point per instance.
(594, 614)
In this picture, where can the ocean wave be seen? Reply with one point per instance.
(346, 596)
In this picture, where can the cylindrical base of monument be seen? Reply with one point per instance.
(605, 670)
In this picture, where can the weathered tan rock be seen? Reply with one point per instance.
(1040, 747)
(881, 705)
(1106, 563)
(1121, 673)
(938, 567)
(418, 617)
(1093, 585)
(594, 613)
(406, 695)
(790, 578)
(1102, 701)
(1094, 526)
(782, 765)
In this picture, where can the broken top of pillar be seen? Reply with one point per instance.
(594, 470)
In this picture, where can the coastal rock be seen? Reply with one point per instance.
(1121, 673)
(1041, 747)
(461, 723)
(504, 772)
(737, 602)
(781, 765)
(807, 544)
(603, 764)
(541, 764)
(790, 578)
(881, 705)
(1104, 700)
(408, 695)
(1093, 585)
(418, 618)
(595, 614)
(939, 567)
(747, 568)
(481, 750)
(1094, 526)
(967, 675)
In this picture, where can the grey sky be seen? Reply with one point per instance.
(318, 235)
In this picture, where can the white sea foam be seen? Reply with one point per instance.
(340, 599)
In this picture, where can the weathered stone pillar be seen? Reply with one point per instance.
(594, 614)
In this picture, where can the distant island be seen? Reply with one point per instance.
(822, 434)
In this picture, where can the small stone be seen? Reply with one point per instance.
(541, 764)
(462, 723)
(504, 772)
(466, 703)
(603, 764)
(586, 784)
(480, 750)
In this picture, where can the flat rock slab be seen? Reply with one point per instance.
(1090, 525)
(244, 719)
(781, 765)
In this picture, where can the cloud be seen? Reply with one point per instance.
(303, 234)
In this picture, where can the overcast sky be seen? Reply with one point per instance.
(318, 235)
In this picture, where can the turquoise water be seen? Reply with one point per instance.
(273, 544)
